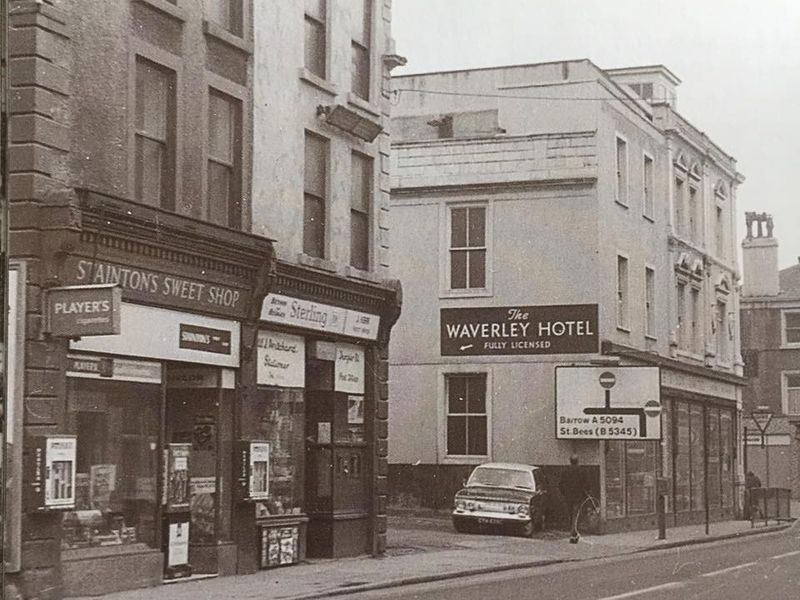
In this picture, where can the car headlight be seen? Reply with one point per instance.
(524, 509)
(460, 504)
(470, 505)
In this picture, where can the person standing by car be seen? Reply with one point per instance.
(751, 481)
(574, 488)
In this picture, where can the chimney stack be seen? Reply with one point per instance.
(760, 257)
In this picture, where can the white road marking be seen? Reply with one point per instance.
(656, 588)
(777, 556)
(729, 569)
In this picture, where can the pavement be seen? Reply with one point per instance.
(424, 547)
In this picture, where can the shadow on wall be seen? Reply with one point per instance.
(432, 488)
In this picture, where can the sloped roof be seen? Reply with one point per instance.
(790, 280)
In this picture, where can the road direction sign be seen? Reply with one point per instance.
(762, 419)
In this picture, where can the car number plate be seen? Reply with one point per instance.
(487, 521)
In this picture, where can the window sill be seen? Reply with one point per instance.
(469, 293)
(226, 37)
(624, 328)
(789, 347)
(649, 218)
(621, 203)
(464, 460)
(167, 8)
(356, 273)
(650, 337)
(362, 104)
(690, 355)
(318, 82)
(317, 263)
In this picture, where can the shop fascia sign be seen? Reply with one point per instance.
(608, 403)
(296, 312)
(83, 310)
(491, 331)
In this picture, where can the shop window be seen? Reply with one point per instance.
(640, 479)
(468, 247)
(316, 43)
(615, 489)
(277, 416)
(360, 80)
(697, 439)
(360, 203)
(714, 459)
(466, 415)
(791, 328)
(622, 171)
(791, 395)
(682, 457)
(117, 429)
(224, 164)
(154, 134)
(726, 457)
(314, 195)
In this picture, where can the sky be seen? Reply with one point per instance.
(739, 63)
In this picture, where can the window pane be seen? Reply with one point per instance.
(697, 441)
(456, 435)
(314, 226)
(362, 20)
(359, 76)
(224, 13)
(152, 88)
(219, 193)
(316, 156)
(149, 168)
(476, 435)
(476, 394)
(682, 458)
(359, 240)
(458, 270)
(458, 228)
(615, 500)
(792, 319)
(315, 55)
(361, 181)
(220, 128)
(793, 381)
(793, 401)
(477, 226)
(456, 394)
(793, 336)
(477, 268)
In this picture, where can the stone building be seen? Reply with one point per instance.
(770, 314)
(187, 359)
(571, 195)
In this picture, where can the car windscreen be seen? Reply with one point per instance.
(501, 478)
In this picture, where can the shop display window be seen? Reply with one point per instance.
(698, 439)
(615, 492)
(116, 425)
(726, 456)
(682, 456)
(277, 416)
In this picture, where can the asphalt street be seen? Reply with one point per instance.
(753, 568)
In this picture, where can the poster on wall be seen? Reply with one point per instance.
(281, 359)
(178, 544)
(102, 481)
(355, 410)
(349, 369)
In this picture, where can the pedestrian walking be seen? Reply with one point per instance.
(751, 481)
(574, 488)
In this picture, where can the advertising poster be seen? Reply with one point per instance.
(349, 369)
(102, 481)
(355, 410)
(60, 471)
(178, 553)
(281, 359)
(259, 470)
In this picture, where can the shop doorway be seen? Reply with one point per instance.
(195, 417)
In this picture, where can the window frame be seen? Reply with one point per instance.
(785, 343)
(236, 217)
(236, 16)
(445, 236)
(622, 179)
(785, 392)
(364, 42)
(622, 300)
(369, 197)
(323, 24)
(650, 302)
(442, 413)
(679, 204)
(325, 200)
(169, 62)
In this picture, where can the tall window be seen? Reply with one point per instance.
(466, 415)
(678, 208)
(225, 13)
(314, 203)
(224, 164)
(791, 327)
(154, 181)
(622, 171)
(694, 217)
(722, 331)
(719, 231)
(468, 247)
(680, 292)
(360, 201)
(791, 402)
(622, 292)
(694, 326)
(316, 54)
(647, 182)
(650, 302)
(360, 48)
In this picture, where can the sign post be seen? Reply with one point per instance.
(762, 417)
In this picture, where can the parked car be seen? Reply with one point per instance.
(502, 495)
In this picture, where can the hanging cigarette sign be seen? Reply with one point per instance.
(84, 310)
(608, 403)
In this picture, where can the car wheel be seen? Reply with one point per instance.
(460, 525)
